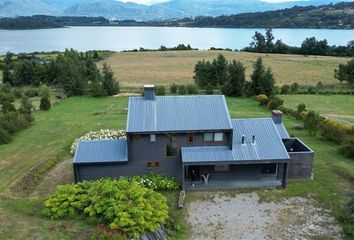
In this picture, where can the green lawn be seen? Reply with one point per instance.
(53, 132)
(335, 106)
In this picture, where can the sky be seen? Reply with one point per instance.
(149, 2)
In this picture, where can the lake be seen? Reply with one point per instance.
(127, 38)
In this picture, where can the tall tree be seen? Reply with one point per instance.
(269, 40)
(259, 42)
(220, 66)
(236, 79)
(267, 84)
(109, 82)
(345, 72)
(203, 72)
(257, 76)
(7, 76)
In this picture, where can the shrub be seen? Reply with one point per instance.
(157, 182)
(98, 135)
(44, 91)
(262, 99)
(294, 87)
(209, 90)
(191, 89)
(285, 89)
(122, 205)
(312, 90)
(275, 103)
(160, 90)
(45, 104)
(334, 131)
(17, 92)
(5, 137)
(173, 88)
(32, 92)
(182, 90)
(303, 115)
(313, 122)
(300, 108)
(348, 149)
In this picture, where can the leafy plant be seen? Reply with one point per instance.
(157, 182)
(123, 205)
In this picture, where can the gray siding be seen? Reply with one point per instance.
(300, 165)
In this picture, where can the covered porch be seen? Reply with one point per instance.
(231, 176)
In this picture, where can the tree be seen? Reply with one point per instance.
(26, 108)
(259, 42)
(6, 99)
(203, 74)
(236, 79)
(257, 76)
(269, 40)
(97, 89)
(220, 68)
(109, 82)
(7, 76)
(267, 83)
(313, 122)
(44, 93)
(345, 72)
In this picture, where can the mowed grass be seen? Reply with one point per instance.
(339, 107)
(55, 130)
(134, 69)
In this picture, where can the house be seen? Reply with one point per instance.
(193, 139)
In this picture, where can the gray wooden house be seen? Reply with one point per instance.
(193, 139)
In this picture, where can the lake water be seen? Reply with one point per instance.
(127, 38)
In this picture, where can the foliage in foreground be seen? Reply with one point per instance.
(121, 204)
(103, 134)
(157, 182)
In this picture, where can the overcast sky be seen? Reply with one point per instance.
(157, 1)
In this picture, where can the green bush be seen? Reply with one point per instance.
(160, 90)
(285, 89)
(44, 91)
(45, 104)
(347, 149)
(17, 92)
(294, 87)
(262, 99)
(157, 182)
(125, 206)
(191, 89)
(182, 90)
(275, 103)
(173, 88)
(32, 92)
(5, 137)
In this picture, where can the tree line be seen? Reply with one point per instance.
(230, 77)
(73, 72)
(310, 46)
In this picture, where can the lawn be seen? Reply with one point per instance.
(334, 106)
(134, 69)
(53, 132)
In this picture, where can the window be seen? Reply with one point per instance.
(153, 165)
(208, 137)
(218, 137)
(152, 138)
(222, 168)
(190, 138)
(136, 138)
(171, 146)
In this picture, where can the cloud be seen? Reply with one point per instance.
(146, 2)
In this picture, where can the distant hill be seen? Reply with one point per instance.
(122, 11)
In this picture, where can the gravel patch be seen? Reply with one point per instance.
(243, 217)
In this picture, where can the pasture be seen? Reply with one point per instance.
(134, 69)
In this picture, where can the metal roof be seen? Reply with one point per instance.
(268, 144)
(282, 131)
(101, 151)
(178, 113)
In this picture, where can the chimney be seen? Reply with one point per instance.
(149, 93)
(277, 116)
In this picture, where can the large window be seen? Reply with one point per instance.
(208, 137)
(218, 137)
(171, 146)
(190, 138)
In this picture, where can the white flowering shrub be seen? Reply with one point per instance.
(103, 134)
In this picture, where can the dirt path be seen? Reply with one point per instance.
(61, 174)
(244, 217)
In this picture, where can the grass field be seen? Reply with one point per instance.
(339, 107)
(53, 131)
(134, 69)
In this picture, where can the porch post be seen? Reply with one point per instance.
(285, 175)
(183, 176)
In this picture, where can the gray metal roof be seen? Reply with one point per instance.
(178, 113)
(101, 151)
(268, 144)
(282, 131)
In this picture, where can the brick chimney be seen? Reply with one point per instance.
(149, 93)
(277, 116)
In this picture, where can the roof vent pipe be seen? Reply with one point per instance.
(253, 139)
(243, 139)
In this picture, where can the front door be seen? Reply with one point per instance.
(194, 173)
